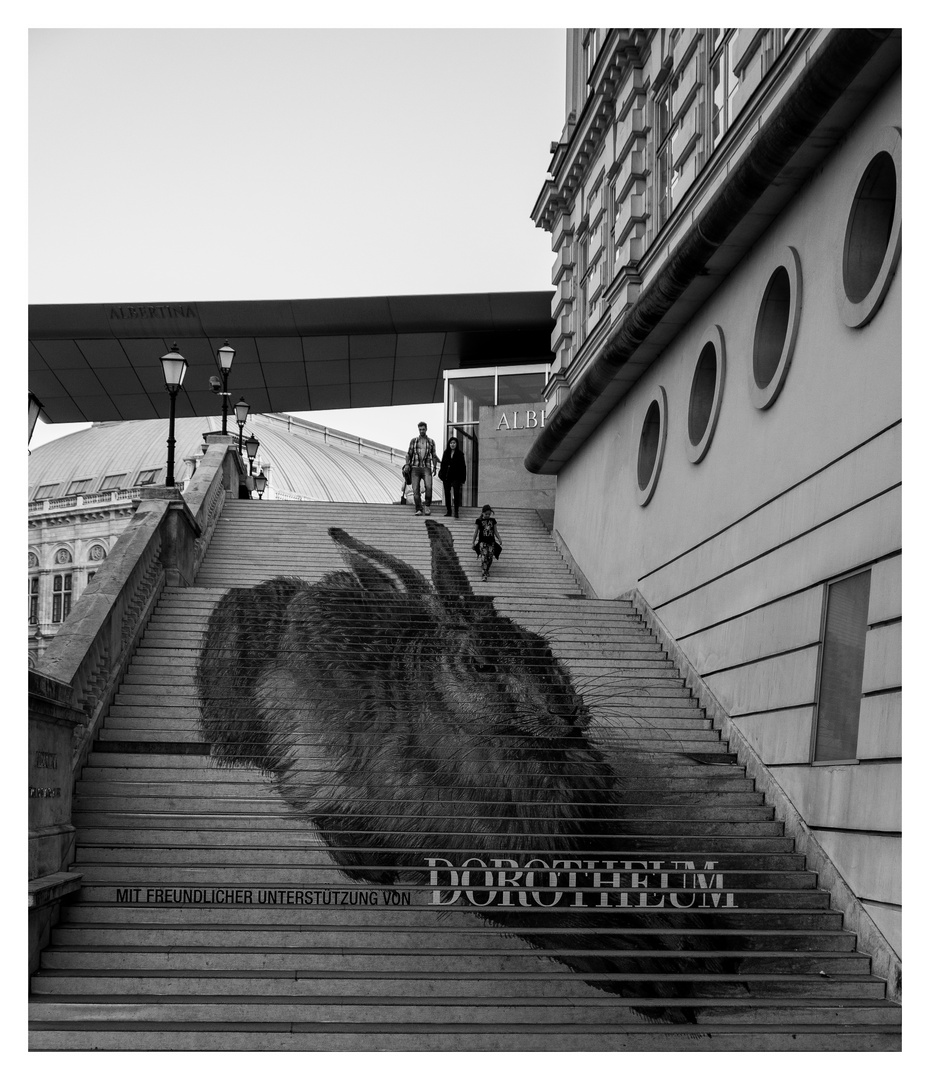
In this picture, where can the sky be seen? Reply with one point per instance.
(236, 164)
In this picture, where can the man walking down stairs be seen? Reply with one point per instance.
(351, 797)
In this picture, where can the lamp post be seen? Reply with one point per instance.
(175, 367)
(260, 481)
(241, 409)
(225, 356)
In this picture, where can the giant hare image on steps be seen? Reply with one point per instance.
(414, 726)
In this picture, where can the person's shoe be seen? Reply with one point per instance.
(426, 510)
(419, 513)
(456, 513)
(448, 513)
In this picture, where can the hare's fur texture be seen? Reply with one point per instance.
(410, 720)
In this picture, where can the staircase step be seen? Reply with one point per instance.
(632, 828)
(675, 776)
(175, 884)
(431, 1010)
(322, 872)
(179, 925)
(574, 1037)
(471, 952)
(222, 789)
(454, 986)
(90, 925)
(733, 811)
(284, 832)
(139, 852)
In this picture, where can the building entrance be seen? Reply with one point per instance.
(467, 392)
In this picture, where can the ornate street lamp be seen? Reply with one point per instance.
(175, 367)
(225, 356)
(251, 448)
(260, 482)
(241, 409)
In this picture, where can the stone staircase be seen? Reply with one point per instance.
(626, 889)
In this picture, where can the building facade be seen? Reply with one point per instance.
(723, 412)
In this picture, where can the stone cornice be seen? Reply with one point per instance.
(623, 49)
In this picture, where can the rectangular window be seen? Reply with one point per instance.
(616, 224)
(112, 483)
(723, 81)
(466, 396)
(591, 46)
(517, 389)
(842, 661)
(33, 601)
(772, 44)
(76, 487)
(147, 476)
(61, 597)
(583, 328)
(45, 491)
(666, 174)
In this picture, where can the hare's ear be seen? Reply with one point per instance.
(377, 571)
(449, 579)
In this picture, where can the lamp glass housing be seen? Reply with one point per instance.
(175, 368)
(225, 355)
(251, 446)
(242, 411)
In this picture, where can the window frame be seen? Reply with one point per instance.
(718, 53)
(62, 589)
(34, 599)
(590, 47)
(815, 720)
(104, 486)
(666, 175)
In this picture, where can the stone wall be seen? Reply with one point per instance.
(507, 432)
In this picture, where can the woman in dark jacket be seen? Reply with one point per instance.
(452, 475)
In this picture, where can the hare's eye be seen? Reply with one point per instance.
(484, 668)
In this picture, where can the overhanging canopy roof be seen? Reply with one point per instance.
(100, 362)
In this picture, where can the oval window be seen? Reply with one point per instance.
(651, 447)
(776, 330)
(872, 244)
(706, 394)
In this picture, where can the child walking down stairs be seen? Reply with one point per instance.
(351, 798)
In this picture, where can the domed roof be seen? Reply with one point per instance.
(301, 459)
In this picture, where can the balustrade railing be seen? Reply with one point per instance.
(67, 502)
